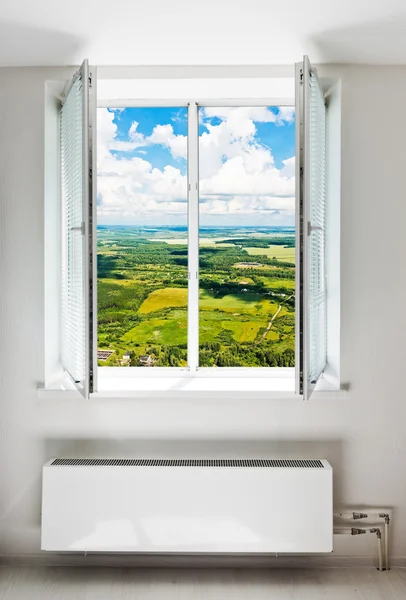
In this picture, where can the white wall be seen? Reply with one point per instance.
(362, 436)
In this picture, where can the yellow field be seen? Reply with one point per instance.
(166, 298)
(123, 282)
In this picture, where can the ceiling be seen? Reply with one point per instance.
(183, 32)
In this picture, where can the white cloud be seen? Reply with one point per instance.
(247, 204)
(238, 176)
(164, 135)
(233, 163)
(107, 132)
(288, 167)
(134, 135)
(286, 114)
(259, 114)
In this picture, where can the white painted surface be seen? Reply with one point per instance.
(200, 584)
(276, 386)
(362, 435)
(180, 32)
(199, 89)
(187, 509)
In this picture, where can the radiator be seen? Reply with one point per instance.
(187, 506)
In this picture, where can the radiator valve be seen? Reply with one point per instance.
(377, 531)
(385, 516)
(356, 515)
(355, 531)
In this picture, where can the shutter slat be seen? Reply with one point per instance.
(72, 276)
(317, 280)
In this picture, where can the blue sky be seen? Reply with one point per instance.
(246, 166)
(148, 119)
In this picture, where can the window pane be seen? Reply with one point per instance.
(142, 237)
(247, 236)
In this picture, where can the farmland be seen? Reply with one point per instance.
(246, 280)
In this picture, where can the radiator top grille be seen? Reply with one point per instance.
(189, 462)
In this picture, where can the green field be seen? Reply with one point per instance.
(277, 284)
(169, 331)
(230, 302)
(246, 331)
(278, 252)
(238, 304)
(244, 281)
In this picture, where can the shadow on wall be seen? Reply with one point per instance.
(377, 42)
(22, 515)
(17, 42)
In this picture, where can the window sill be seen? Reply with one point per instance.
(116, 384)
(192, 384)
(192, 389)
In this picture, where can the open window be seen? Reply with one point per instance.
(196, 240)
(311, 224)
(76, 115)
(204, 256)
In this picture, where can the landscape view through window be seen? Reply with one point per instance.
(246, 237)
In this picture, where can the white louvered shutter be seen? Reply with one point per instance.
(313, 224)
(76, 207)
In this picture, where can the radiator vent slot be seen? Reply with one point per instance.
(192, 462)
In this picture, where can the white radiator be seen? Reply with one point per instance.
(182, 506)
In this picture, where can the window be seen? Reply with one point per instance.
(204, 250)
(142, 237)
(247, 236)
(150, 313)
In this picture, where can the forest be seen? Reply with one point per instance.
(246, 296)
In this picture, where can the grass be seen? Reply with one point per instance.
(146, 311)
(164, 298)
(123, 282)
(279, 252)
(270, 308)
(229, 303)
(171, 332)
(277, 283)
(208, 329)
(245, 303)
(245, 331)
(272, 335)
(243, 280)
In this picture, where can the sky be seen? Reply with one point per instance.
(246, 166)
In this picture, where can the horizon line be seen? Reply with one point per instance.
(200, 227)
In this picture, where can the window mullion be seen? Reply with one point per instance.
(193, 237)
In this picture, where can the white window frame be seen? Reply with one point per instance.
(193, 370)
(58, 385)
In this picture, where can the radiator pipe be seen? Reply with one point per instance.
(349, 531)
(387, 521)
(362, 515)
(355, 516)
(378, 533)
(358, 531)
